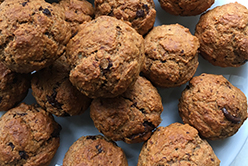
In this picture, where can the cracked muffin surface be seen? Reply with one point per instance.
(29, 136)
(222, 33)
(76, 12)
(54, 92)
(94, 150)
(130, 117)
(140, 14)
(215, 107)
(177, 144)
(33, 34)
(106, 57)
(186, 7)
(171, 55)
(13, 87)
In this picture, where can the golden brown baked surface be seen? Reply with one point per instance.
(94, 150)
(54, 92)
(222, 33)
(140, 14)
(213, 106)
(171, 55)
(29, 136)
(13, 87)
(106, 56)
(177, 144)
(76, 12)
(186, 7)
(33, 34)
(130, 117)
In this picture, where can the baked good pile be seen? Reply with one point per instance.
(109, 59)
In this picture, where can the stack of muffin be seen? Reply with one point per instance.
(110, 58)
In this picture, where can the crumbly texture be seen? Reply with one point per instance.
(106, 56)
(222, 33)
(29, 136)
(76, 12)
(177, 144)
(140, 14)
(130, 117)
(13, 87)
(171, 55)
(33, 34)
(185, 7)
(94, 150)
(213, 106)
(54, 92)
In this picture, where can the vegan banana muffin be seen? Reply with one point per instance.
(215, 107)
(54, 92)
(222, 33)
(28, 136)
(33, 34)
(140, 14)
(130, 117)
(171, 55)
(76, 12)
(94, 150)
(185, 7)
(13, 87)
(177, 144)
(106, 56)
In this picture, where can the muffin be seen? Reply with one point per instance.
(130, 117)
(139, 14)
(222, 33)
(13, 87)
(76, 12)
(94, 150)
(28, 136)
(215, 107)
(106, 57)
(177, 144)
(33, 34)
(171, 55)
(54, 92)
(185, 7)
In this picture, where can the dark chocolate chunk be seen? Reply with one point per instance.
(21, 114)
(47, 12)
(146, 7)
(23, 155)
(24, 3)
(230, 117)
(99, 148)
(140, 13)
(52, 100)
(11, 145)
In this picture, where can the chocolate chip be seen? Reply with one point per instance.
(182, 52)
(1, 98)
(140, 13)
(91, 137)
(99, 148)
(24, 3)
(47, 12)
(230, 117)
(142, 110)
(148, 126)
(11, 145)
(212, 159)
(56, 132)
(23, 155)
(52, 100)
(40, 8)
(146, 7)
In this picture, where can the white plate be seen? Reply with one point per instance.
(226, 150)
